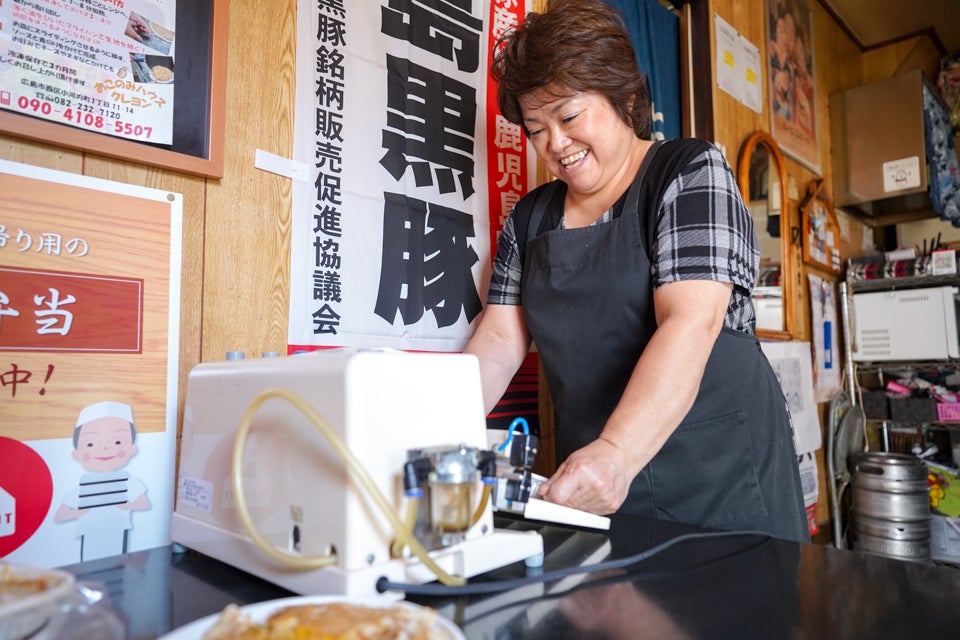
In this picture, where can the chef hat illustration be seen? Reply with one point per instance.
(105, 409)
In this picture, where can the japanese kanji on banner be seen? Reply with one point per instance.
(413, 171)
(89, 341)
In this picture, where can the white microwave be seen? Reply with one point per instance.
(906, 324)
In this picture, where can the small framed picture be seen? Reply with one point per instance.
(944, 262)
(821, 229)
(793, 104)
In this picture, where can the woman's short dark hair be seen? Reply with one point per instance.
(580, 45)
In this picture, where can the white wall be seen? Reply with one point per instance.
(912, 234)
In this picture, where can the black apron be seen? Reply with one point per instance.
(587, 296)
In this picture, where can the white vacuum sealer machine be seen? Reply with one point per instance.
(323, 472)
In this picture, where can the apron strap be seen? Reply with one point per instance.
(632, 202)
(539, 209)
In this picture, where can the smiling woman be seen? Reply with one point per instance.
(631, 304)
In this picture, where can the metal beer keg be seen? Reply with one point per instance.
(890, 505)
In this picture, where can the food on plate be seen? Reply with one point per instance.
(161, 31)
(14, 585)
(234, 623)
(331, 621)
(341, 620)
(162, 73)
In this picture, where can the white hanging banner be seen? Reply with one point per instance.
(412, 171)
(738, 66)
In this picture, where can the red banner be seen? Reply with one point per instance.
(506, 144)
(51, 311)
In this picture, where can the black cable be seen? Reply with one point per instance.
(505, 585)
(611, 579)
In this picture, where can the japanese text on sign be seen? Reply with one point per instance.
(101, 65)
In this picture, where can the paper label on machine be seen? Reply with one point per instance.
(196, 493)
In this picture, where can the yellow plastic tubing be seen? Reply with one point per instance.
(404, 534)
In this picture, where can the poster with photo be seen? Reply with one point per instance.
(826, 343)
(791, 362)
(793, 105)
(101, 66)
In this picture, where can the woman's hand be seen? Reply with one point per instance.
(594, 479)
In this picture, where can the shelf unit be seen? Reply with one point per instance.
(886, 428)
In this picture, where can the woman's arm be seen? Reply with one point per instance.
(660, 392)
(501, 342)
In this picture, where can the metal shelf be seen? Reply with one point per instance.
(887, 368)
(906, 282)
(912, 365)
(932, 424)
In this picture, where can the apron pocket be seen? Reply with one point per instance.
(705, 475)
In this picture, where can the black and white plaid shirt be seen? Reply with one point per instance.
(704, 232)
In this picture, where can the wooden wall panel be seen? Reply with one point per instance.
(40, 155)
(246, 267)
(733, 121)
(899, 57)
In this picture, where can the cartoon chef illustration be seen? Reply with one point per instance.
(104, 442)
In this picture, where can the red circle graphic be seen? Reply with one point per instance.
(26, 490)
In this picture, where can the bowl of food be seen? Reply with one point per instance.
(160, 69)
(327, 617)
(29, 598)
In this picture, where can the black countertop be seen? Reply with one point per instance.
(741, 586)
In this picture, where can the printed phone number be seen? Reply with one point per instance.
(85, 118)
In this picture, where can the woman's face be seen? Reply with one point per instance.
(578, 136)
(787, 32)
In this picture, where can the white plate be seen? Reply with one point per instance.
(24, 614)
(260, 611)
